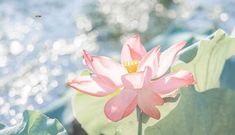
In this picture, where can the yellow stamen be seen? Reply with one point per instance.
(131, 66)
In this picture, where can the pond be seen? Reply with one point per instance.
(41, 42)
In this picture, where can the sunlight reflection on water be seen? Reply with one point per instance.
(38, 54)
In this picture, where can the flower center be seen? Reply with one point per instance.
(131, 66)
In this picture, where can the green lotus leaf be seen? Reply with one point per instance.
(199, 113)
(208, 63)
(35, 123)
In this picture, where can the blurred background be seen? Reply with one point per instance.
(41, 43)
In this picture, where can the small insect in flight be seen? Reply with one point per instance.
(38, 16)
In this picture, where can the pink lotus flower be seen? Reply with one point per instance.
(140, 80)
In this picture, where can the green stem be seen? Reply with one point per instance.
(139, 119)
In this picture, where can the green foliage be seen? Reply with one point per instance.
(35, 123)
